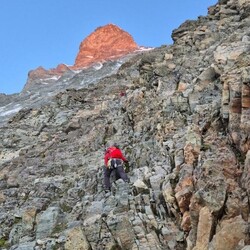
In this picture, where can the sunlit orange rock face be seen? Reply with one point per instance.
(106, 42)
(42, 73)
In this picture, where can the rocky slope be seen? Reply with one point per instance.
(183, 124)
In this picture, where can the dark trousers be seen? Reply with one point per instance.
(118, 172)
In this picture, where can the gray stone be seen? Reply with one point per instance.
(47, 222)
(25, 246)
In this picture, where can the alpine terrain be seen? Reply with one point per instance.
(180, 114)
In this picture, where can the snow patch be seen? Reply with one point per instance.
(144, 48)
(53, 78)
(98, 66)
(4, 107)
(78, 71)
(15, 109)
(32, 97)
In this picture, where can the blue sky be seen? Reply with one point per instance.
(45, 33)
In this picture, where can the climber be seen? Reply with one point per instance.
(114, 161)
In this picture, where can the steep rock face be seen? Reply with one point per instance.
(40, 74)
(178, 113)
(107, 42)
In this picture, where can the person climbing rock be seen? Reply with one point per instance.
(114, 161)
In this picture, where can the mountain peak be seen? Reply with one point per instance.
(106, 42)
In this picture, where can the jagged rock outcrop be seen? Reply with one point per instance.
(46, 76)
(179, 113)
(106, 42)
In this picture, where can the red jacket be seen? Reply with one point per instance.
(113, 152)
